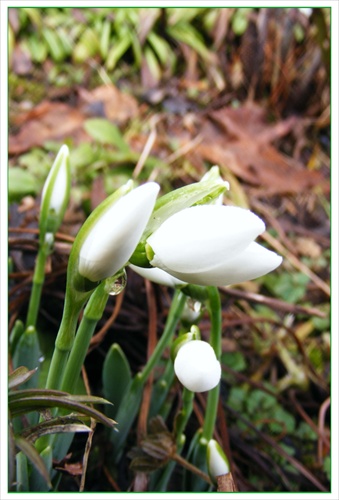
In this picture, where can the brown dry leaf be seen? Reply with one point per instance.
(48, 121)
(58, 121)
(109, 102)
(240, 139)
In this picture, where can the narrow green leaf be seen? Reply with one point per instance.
(37, 481)
(104, 39)
(24, 402)
(22, 483)
(54, 44)
(19, 376)
(17, 330)
(116, 377)
(27, 353)
(33, 456)
(117, 51)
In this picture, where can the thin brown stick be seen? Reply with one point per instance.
(274, 303)
(89, 438)
(152, 341)
(110, 479)
(322, 413)
(322, 438)
(28, 230)
(98, 337)
(192, 468)
(297, 263)
(226, 483)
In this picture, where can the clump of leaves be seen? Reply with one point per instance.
(22, 402)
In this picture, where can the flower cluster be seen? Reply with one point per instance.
(184, 237)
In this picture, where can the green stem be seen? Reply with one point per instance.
(129, 405)
(38, 281)
(214, 308)
(64, 340)
(174, 315)
(92, 314)
(183, 416)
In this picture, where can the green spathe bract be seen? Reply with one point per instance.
(207, 191)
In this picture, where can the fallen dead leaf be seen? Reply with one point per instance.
(240, 139)
(51, 120)
(48, 121)
(109, 102)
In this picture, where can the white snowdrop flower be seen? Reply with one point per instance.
(157, 276)
(217, 462)
(113, 237)
(211, 245)
(197, 367)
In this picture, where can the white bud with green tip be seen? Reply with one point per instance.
(193, 334)
(55, 193)
(217, 462)
(197, 367)
(108, 238)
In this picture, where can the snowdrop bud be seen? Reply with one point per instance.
(157, 276)
(56, 192)
(217, 461)
(114, 234)
(197, 367)
(198, 238)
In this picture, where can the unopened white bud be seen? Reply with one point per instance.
(197, 367)
(217, 461)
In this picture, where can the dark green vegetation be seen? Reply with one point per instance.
(164, 94)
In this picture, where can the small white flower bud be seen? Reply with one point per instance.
(197, 367)
(113, 237)
(217, 462)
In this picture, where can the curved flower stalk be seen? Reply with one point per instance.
(211, 245)
(197, 367)
(217, 462)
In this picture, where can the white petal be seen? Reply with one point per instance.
(113, 239)
(200, 237)
(253, 262)
(157, 276)
(197, 367)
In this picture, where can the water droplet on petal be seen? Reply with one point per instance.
(117, 283)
